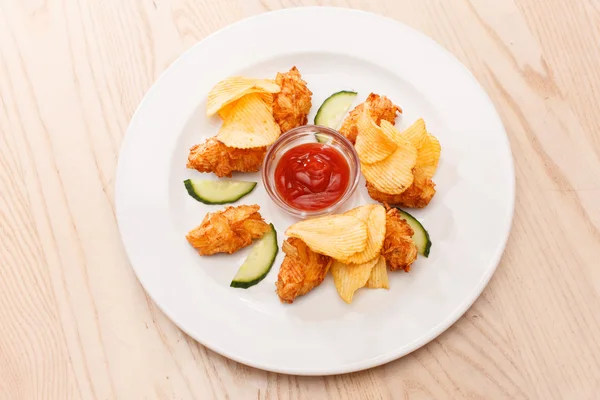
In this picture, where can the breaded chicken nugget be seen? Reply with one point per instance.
(301, 271)
(399, 250)
(214, 156)
(228, 230)
(292, 104)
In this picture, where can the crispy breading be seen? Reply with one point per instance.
(418, 195)
(214, 156)
(399, 250)
(228, 230)
(380, 107)
(292, 104)
(301, 271)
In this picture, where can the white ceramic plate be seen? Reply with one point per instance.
(469, 218)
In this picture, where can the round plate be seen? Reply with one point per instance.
(468, 219)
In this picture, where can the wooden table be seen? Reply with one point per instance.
(75, 323)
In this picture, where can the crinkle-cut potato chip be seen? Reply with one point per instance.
(375, 221)
(416, 133)
(361, 212)
(234, 88)
(428, 155)
(372, 144)
(379, 108)
(427, 145)
(379, 276)
(249, 124)
(267, 97)
(418, 195)
(393, 134)
(394, 174)
(337, 236)
(348, 278)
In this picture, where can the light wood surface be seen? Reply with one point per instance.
(74, 321)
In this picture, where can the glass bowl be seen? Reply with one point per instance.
(306, 134)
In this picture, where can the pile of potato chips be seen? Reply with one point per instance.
(354, 240)
(246, 107)
(388, 156)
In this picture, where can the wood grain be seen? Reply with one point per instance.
(77, 324)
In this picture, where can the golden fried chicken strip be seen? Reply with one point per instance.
(292, 104)
(399, 250)
(301, 271)
(228, 230)
(214, 156)
(418, 195)
(380, 107)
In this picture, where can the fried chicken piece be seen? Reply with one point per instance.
(292, 104)
(228, 230)
(301, 271)
(399, 250)
(418, 195)
(214, 156)
(380, 107)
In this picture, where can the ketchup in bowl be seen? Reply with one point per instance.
(310, 171)
(312, 176)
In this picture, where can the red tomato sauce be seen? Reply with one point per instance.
(312, 176)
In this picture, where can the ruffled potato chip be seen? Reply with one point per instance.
(393, 133)
(234, 88)
(249, 124)
(372, 144)
(416, 133)
(338, 236)
(428, 155)
(267, 97)
(348, 278)
(379, 276)
(374, 216)
(393, 175)
(418, 195)
(361, 212)
(427, 145)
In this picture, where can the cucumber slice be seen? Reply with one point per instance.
(323, 138)
(421, 236)
(259, 262)
(334, 108)
(218, 192)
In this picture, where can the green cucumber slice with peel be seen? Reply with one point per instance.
(259, 262)
(332, 111)
(323, 138)
(218, 192)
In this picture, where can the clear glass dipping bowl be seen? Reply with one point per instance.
(306, 134)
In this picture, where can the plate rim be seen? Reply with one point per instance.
(391, 355)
